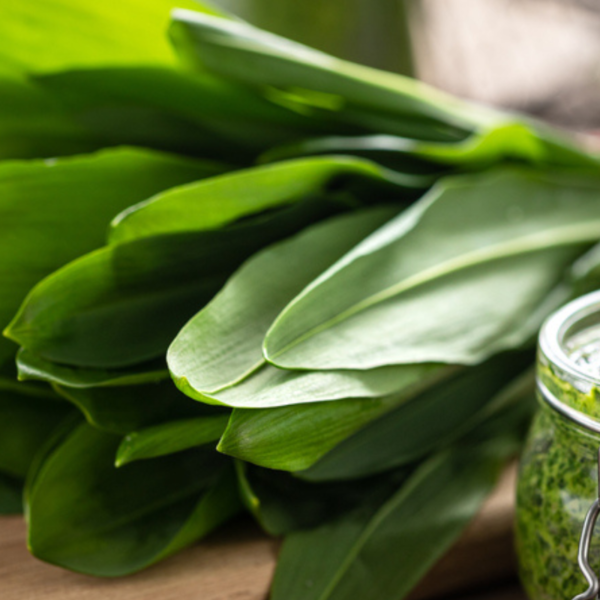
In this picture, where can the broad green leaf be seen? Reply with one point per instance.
(309, 80)
(584, 274)
(516, 141)
(52, 211)
(25, 423)
(422, 425)
(170, 109)
(88, 516)
(33, 125)
(455, 278)
(270, 387)
(292, 438)
(50, 35)
(30, 366)
(222, 344)
(381, 552)
(35, 390)
(281, 503)
(222, 200)
(11, 492)
(170, 437)
(131, 407)
(123, 304)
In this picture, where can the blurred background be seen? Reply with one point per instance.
(535, 56)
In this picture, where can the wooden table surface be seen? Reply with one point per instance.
(237, 563)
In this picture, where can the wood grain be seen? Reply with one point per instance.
(238, 563)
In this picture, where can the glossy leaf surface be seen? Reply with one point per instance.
(128, 408)
(57, 34)
(514, 141)
(171, 109)
(53, 211)
(382, 552)
(30, 366)
(307, 79)
(222, 344)
(283, 503)
(292, 438)
(32, 125)
(222, 200)
(88, 516)
(461, 275)
(124, 304)
(422, 425)
(170, 437)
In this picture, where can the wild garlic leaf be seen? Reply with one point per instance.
(52, 211)
(32, 367)
(222, 345)
(222, 200)
(282, 503)
(455, 278)
(54, 35)
(515, 140)
(307, 79)
(88, 516)
(293, 438)
(381, 552)
(25, 423)
(270, 387)
(32, 125)
(422, 425)
(123, 304)
(170, 437)
(171, 109)
(123, 409)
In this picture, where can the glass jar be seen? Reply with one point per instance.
(557, 495)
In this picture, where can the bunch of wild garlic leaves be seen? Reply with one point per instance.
(341, 269)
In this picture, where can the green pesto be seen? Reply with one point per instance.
(587, 403)
(557, 485)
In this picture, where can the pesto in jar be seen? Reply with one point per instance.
(558, 480)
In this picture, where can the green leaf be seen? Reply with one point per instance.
(292, 438)
(128, 408)
(222, 200)
(513, 141)
(458, 277)
(25, 424)
(221, 345)
(30, 366)
(124, 304)
(381, 552)
(584, 274)
(33, 125)
(53, 211)
(281, 503)
(269, 387)
(169, 438)
(166, 108)
(422, 425)
(310, 81)
(11, 492)
(57, 34)
(88, 516)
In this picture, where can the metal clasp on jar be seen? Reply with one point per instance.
(583, 555)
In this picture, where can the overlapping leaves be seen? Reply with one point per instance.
(319, 325)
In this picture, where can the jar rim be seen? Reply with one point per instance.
(555, 331)
(552, 340)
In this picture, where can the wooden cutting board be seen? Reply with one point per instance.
(237, 563)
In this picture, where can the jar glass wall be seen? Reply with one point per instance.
(558, 480)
